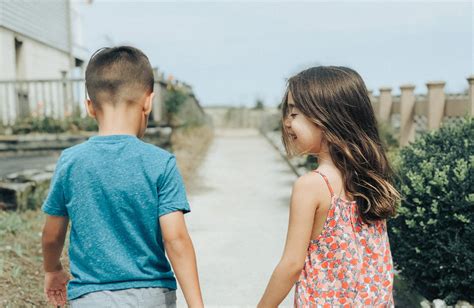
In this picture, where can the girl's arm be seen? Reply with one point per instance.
(180, 250)
(304, 203)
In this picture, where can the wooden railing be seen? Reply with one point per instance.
(410, 114)
(59, 98)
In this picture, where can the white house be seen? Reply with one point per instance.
(38, 40)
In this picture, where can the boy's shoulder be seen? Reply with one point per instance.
(78, 148)
(70, 153)
(154, 149)
(81, 150)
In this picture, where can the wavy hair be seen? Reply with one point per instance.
(337, 101)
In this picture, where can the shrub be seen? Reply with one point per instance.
(388, 136)
(432, 236)
(259, 105)
(38, 125)
(72, 123)
(174, 100)
(76, 122)
(311, 162)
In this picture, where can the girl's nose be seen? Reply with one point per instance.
(287, 122)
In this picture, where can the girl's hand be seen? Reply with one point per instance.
(305, 201)
(55, 287)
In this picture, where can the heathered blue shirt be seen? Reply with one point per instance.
(114, 189)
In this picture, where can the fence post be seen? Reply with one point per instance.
(157, 103)
(155, 72)
(385, 104)
(407, 113)
(64, 106)
(470, 106)
(370, 93)
(436, 104)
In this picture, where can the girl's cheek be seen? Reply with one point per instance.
(295, 125)
(299, 129)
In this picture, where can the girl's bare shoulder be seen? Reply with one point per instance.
(312, 187)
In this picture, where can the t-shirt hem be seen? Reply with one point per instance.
(83, 290)
(174, 207)
(53, 211)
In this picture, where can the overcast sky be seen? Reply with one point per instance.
(233, 52)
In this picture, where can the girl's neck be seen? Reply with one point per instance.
(325, 161)
(324, 158)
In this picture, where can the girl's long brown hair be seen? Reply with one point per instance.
(337, 101)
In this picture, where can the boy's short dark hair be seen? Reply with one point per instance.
(118, 75)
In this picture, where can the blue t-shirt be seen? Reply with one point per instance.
(114, 189)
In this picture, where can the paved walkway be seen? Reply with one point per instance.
(239, 218)
(18, 163)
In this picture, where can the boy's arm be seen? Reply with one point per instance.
(180, 250)
(54, 234)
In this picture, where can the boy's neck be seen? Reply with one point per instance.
(115, 132)
(119, 121)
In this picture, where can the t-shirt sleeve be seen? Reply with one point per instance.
(171, 191)
(55, 202)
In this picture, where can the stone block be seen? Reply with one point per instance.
(24, 190)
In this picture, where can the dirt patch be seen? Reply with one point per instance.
(21, 269)
(190, 146)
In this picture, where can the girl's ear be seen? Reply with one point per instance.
(324, 140)
(148, 106)
(90, 108)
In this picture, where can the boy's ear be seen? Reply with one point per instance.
(90, 108)
(148, 103)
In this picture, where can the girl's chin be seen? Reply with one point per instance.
(300, 151)
(303, 150)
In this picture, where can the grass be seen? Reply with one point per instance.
(190, 146)
(21, 271)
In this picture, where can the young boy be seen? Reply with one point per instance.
(125, 199)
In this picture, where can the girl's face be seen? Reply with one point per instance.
(306, 135)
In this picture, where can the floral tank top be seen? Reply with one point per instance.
(349, 264)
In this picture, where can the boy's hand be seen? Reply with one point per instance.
(55, 287)
(55, 279)
(180, 251)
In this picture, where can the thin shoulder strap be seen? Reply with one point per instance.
(327, 182)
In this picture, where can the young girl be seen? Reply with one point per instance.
(337, 250)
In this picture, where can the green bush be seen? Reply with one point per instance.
(388, 136)
(311, 162)
(73, 123)
(432, 236)
(38, 125)
(77, 123)
(174, 100)
(259, 105)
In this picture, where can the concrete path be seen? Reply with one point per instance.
(239, 218)
(22, 162)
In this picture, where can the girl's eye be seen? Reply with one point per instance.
(293, 115)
